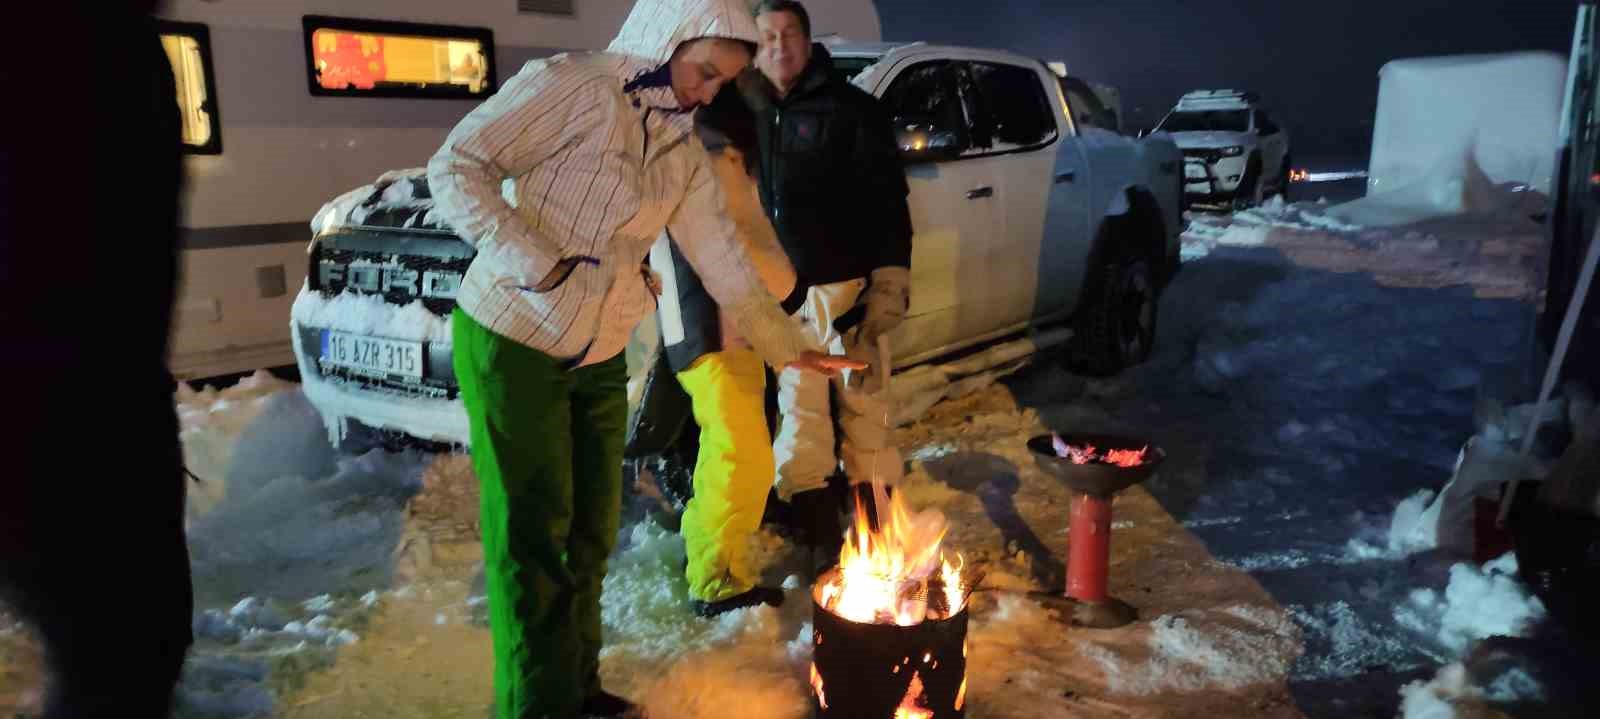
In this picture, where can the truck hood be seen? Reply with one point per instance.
(1208, 140)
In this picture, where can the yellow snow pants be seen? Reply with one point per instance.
(732, 473)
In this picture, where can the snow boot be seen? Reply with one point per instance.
(777, 512)
(817, 520)
(770, 596)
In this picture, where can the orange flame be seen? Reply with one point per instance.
(816, 685)
(961, 694)
(885, 573)
(911, 707)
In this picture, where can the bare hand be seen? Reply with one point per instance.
(826, 364)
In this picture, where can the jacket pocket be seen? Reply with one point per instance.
(558, 275)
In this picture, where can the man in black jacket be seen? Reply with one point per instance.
(832, 182)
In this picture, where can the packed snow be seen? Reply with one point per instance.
(1193, 651)
(370, 316)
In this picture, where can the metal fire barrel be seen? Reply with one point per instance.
(869, 671)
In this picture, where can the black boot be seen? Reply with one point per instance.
(819, 522)
(605, 704)
(770, 596)
(777, 511)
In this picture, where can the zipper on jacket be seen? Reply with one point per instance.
(777, 141)
(644, 124)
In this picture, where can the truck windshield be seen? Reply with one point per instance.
(1207, 121)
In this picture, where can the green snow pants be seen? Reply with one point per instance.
(547, 449)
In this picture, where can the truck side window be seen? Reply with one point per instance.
(1015, 105)
(188, 49)
(1086, 108)
(926, 109)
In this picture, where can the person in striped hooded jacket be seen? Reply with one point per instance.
(562, 181)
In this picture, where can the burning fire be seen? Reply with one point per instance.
(816, 684)
(1087, 454)
(911, 707)
(892, 575)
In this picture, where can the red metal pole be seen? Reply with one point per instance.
(1091, 548)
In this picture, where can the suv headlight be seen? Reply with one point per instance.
(1233, 151)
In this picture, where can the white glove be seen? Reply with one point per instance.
(887, 299)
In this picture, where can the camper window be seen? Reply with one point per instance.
(188, 48)
(349, 57)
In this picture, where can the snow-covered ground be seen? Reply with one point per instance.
(1299, 408)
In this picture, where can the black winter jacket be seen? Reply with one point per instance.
(831, 177)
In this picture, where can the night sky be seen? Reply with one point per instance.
(1315, 63)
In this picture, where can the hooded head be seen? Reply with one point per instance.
(692, 46)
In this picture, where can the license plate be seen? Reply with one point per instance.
(372, 355)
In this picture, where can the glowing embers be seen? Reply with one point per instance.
(1087, 453)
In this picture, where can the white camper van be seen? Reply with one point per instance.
(287, 104)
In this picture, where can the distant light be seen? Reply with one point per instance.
(1303, 175)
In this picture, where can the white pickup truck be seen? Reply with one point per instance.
(1024, 217)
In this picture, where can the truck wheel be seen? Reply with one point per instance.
(1118, 328)
(1249, 193)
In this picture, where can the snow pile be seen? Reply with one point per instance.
(399, 198)
(1256, 227)
(1306, 216)
(295, 535)
(757, 654)
(300, 534)
(298, 520)
(1204, 649)
(1478, 603)
(1452, 691)
(209, 423)
(371, 316)
(1408, 532)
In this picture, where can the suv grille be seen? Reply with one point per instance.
(400, 279)
(401, 266)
